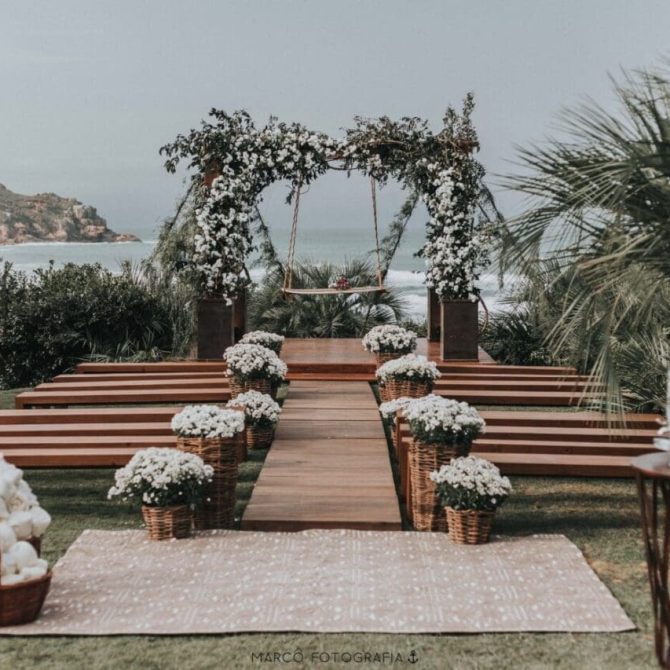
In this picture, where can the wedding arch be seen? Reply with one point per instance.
(232, 162)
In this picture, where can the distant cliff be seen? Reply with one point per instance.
(46, 217)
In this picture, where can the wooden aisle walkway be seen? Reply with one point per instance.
(328, 466)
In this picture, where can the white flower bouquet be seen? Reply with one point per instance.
(160, 477)
(208, 422)
(260, 409)
(389, 340)
(410, 367)
(21, 521)
(254, 361)
(434, 419)
(265, 339)
(389, 408)
(471, 483)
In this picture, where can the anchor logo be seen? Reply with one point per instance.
(412, 658)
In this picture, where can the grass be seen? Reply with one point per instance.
(601, 516)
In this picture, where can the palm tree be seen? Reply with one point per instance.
(336, 315)
(599, 205)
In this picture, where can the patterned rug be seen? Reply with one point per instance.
(119, 582)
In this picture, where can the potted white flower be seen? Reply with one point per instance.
(262, 415)
(24, 577)
(389, 411)
(265, 339)
(168, 483)
(471, 490)
(388, 342)
(409, 375)
(442, 429)
(254, 367)
(217, 436)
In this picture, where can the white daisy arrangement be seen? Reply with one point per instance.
(254, 361)
(389, 409)
(160, 477)
(21, 518)
(471, 483)
(439, 166)
(410, 367)
(207, 421)
(434, 419)
(389, 339)
(260, 409)
(265, 339)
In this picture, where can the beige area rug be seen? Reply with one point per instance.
(118, 582)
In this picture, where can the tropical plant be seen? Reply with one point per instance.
(334, 315)
(56, 317)
(599, 203)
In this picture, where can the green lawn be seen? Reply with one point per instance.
(600, 515)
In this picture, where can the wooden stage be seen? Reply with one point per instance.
(329, 466)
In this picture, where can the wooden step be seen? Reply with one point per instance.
(467, 368)
(118, 397)
(139, 383)
(130, 376)
(557, 447)
(160, 366)
(561, 465)
(539, 398)
(102, 442)
(494, 384)
(67, 457)
(105, 415)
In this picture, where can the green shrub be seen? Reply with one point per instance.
(51, 320)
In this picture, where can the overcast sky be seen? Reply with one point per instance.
(90, 89)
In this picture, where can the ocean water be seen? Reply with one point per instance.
(335, 246)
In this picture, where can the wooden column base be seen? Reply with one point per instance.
(459, 332)
(215, 327)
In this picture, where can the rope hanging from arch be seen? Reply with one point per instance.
(288, 275)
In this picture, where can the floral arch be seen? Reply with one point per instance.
(233, 161)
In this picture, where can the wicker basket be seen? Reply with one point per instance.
(383, 392)
(469, 526)
(385, 357)
(238, 386)
(424, 458)
(218, 507)
(22, 603)
(259, 438)
(397, 388)
(166, 523)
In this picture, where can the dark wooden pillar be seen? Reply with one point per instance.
(240, 315)
(460, 330)
(215, 327)
(433, 316)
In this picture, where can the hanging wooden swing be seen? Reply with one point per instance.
(288, 276)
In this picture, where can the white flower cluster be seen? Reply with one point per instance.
(264, 338)
(161, 477)
(472, 483)
(21, 518)
(411, 366)
(259, 408)
(208, 421)
(222, 240)
(389, 339)
(389, 408)
(253, 160)
(454, 252)
(254, 361)
(437, 419)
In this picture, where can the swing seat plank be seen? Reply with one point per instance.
(334, 291)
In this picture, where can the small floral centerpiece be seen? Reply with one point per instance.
(471, 489)
(262, 414)
(409, 375)
(253, 366)
(442, 429)
(207, 422)
(437, 420)
(340, 283)
(265, 339)
(388, 342)
(168, 483)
